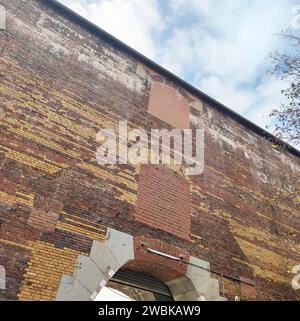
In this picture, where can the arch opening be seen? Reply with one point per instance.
(140, 286)
(117, 264)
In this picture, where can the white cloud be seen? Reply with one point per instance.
(226, 92)
(184, 6)
(229, 41)
(267, 97)
(134, 22)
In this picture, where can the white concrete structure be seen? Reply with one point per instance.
(92, 272)
(2, 18)
(2, 278)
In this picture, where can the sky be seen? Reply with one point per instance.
(221, 47)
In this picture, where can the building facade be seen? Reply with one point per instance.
(68, 224)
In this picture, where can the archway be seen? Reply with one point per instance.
(120, 251)
(138, 286)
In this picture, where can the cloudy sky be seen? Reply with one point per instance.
(219, 46)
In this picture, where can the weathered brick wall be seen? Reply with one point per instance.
(60, 84)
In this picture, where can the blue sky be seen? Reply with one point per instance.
(219, 46)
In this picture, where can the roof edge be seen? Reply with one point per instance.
(97, 31)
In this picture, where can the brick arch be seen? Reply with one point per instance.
(91, 273)
(180, 286)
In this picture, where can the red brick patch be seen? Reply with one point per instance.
(163, 200)
(45, 221)
(167, 104)
(247, 289)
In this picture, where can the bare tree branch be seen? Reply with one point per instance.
(287, 66)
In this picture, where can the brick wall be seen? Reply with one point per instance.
(60, 84)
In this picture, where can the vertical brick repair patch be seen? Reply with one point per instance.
(163, 200)
(167, 104)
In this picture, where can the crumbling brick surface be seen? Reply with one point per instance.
(60, 84)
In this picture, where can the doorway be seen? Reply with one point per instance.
(139, 286)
